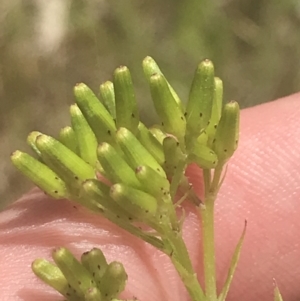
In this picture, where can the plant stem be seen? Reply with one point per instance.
(190, 281)
(207, 217)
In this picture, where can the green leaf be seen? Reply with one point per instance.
(277, 294)
(233, 265)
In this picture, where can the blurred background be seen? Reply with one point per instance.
(46, 46)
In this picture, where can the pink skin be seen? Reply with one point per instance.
(262, 186)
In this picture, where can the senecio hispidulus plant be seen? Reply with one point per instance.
(111, 163)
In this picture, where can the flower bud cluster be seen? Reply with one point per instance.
(108, 161)
(91, 279)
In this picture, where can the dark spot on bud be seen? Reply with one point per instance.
(109, 132)
(160, 216)
(92, 281)
(56, 178)
(68, 294)
(214, 140)
(200, 114)
(215, 126)
(130, 218)
(147, 211)
(225, 150)
(162, 124)
(76, 178)
(182, 118)
(214, 162)
(208, 123)
(94, 274)
(98, 266)
(118, 216)
(106, 294)
(177, 143)
(132, 115)
(69, 285)
(79, 282)
(185, 114)
(55, 191)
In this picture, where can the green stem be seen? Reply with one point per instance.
(207, 217)
(190, 281)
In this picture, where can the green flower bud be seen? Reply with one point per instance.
(31, 142)
(95, 113)
(115, 167)
(152, 182)
(40, 174)
(135, 153)
(216, 111)
(52, 275)
(158, 133)
(139, 203)
(99, 192)
(199, 106)
(68, 138)
(70, 168)
(227, 134)
(92, 294)
(114, 281)
(204, 157)
(95, 262)
(167, 108)
(79, 278)
(202, 139)
(153, 146)
(84, 134)
(150, 68)
(107, 96)
(127, 114)
(173, 155)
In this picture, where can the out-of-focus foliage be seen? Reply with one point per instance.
(48, 46)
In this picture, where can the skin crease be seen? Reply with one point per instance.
(262, 185)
